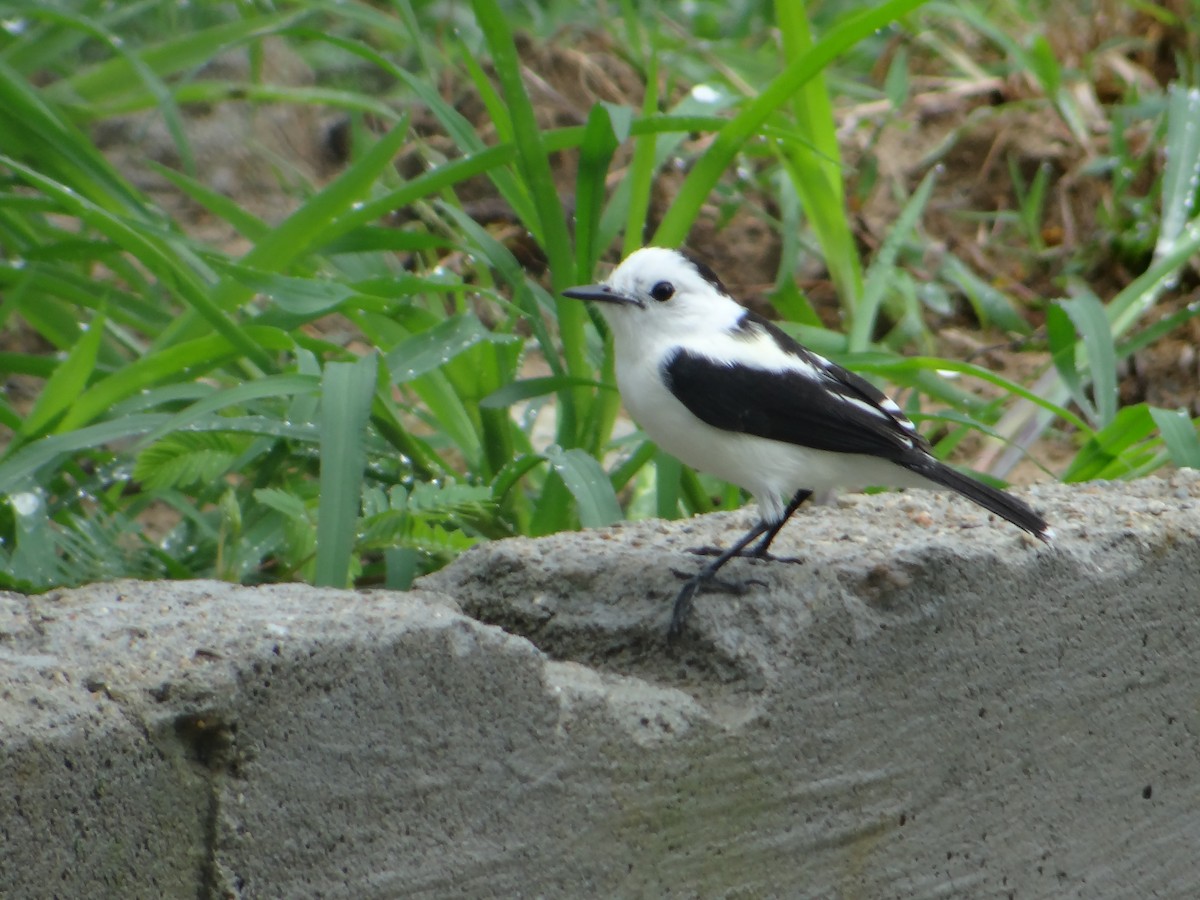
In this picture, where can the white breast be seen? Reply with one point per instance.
(771, 470)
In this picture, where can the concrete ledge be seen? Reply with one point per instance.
(927, 705)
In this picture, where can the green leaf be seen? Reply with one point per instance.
(992, 306)
(190, 358)
(528, 388)
(668, 486)
(431, 349)
(1180, 434)
(894, 366)
(347, 391)
(813, 158)
(283, 502)
(1044, 64)
(882, 272)
(186, 460)
(445, 498)
(27, 460)
(292, 237)
(306, 297)
(1107, 453)
(593, 492)
(68, 381)
(1063, 342)
(551, 227)
(595, 153)
(1091, 321)
(640, 181)
(114, 76)
(551, 224)
(895, 84)
(267, 386)
(151, 250)
(247, 224)
(1181, 172)
(500, 258)
(729, 140)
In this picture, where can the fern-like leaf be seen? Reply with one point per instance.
(187, 459)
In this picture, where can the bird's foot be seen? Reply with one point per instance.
(683, 606)
(764, 555)
(687, 595)
(722, 585)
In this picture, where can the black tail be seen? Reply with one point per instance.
(991, 499)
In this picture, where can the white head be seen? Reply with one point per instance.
(661, 292)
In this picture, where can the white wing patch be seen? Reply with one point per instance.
(753, 347)
(889, 406)
(887, 410)
(884, 405)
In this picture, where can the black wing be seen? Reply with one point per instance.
(837, 410)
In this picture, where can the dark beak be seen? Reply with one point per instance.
(600, 293)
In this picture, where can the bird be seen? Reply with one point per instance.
(729, 393)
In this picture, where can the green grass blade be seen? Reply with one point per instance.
(593, 492)
(189, 359)
(41, 45)
(158, 93)
(730, 139)
(1105, 454)
(154, 253)
(1064, 345)
(1153, 333)
(1181, 173)
(900, 365)
(552, 227)
(291, 239)
(116, 76)
(347, 391)
(287, 242)
(1091, 321)
(1181, 434)
(449, 174)
(1124, 311)
(532, 160)
(428, 350)
(247, 224)
(668, 486)
(531, 388)
(814, 159)
(883, 267)
(641, 169)
(992, 306)
(27, 460)
(34, 131)
(269, 386)
(600, 142)
(501, 259)
(68, 381)
(1137, 297)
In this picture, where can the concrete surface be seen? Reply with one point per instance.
(928, 705)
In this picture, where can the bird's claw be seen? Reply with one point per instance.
(687, 594)
(737, 588)
(747, 554)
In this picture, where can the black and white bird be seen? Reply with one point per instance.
(729, 393)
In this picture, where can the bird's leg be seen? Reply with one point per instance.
(765, 530)
(760, 549)
(683, 602)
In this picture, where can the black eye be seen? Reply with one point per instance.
(662, 291)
